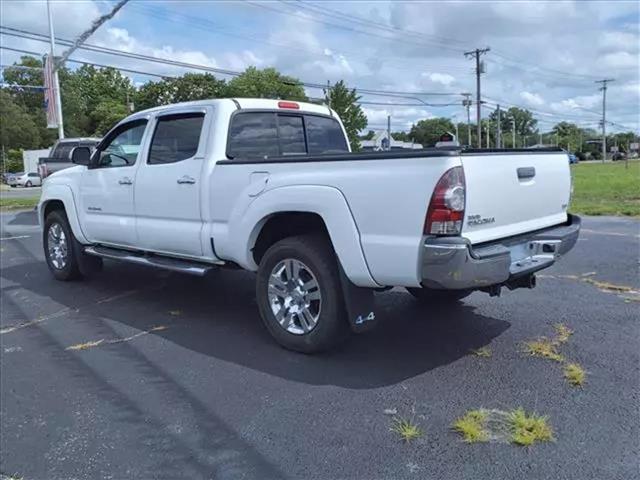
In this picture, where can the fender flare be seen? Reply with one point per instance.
(64, 194)
(327, 202)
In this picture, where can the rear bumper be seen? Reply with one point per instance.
(452, 263)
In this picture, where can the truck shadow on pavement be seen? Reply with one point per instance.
(218, 317)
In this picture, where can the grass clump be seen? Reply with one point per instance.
(527, 429)
(473, 426)
(484, 352)
(562, 333)
(543, 347)
(574, 374)
(407, 430)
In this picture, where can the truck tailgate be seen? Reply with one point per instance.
(512, 193)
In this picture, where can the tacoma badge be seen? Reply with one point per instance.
(473, 220)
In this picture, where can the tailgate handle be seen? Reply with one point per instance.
(524, 173)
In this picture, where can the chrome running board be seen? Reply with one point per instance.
(150, 260)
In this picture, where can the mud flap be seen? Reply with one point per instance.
(360, 305)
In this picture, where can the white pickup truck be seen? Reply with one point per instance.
(271, 186)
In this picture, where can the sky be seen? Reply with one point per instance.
(545, 56)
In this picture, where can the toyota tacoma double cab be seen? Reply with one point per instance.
(271, 186)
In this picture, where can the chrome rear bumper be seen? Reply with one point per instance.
(452, 263)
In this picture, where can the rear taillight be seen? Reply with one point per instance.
(446, 210)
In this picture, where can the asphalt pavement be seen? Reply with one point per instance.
(137, 373)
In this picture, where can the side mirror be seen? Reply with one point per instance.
(81, 155)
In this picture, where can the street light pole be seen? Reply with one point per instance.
(56, 79)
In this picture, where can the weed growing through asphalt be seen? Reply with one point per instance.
(543, 347)
(473, 426)
(484, 352)
(407, 430)
(574, 374)
(514, 426)
(526, 429)
(562, 333)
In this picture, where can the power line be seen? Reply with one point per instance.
(443, 41)
(15, 32)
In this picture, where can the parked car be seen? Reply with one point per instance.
(31, 179)
(618, 156)
(572, 158)
(12, 178)
(59, 158)
(271, 186)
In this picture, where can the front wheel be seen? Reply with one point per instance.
(428, 295)
(299, 294)
(60, 247)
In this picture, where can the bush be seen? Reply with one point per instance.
(581, 156)
(596, 155)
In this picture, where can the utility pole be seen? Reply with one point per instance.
(457, 133)
(56, 79)
(513, 132)
(499, 132)
(389, 131)
(603, 89)
(328, 94)
(479, 70)
(540, 136)
(486, 132)
(467, 103)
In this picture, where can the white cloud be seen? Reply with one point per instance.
(441, 78)
(532, 99)
(620, 60)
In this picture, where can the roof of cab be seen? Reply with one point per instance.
(244, 103)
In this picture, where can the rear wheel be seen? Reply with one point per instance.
(299, 294)
(428, 295)
(28, 184)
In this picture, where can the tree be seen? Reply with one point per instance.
(428, 131)
(107, 114)
(267, 83)
(191, 86)
(400, 136)
(345, 104)
(525, 124)
(17, 129)
(568, 135)
(368, 136)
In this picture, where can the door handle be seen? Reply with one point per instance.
(125, 181)
(186, 179)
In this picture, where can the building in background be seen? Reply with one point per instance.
(380, 142)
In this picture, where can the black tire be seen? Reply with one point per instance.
(28, 184)
(71, 268)
(316, 253)
(428, 295)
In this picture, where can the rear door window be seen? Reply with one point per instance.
(324, 135)
(253, 135)
(176, 138)
(291, 133)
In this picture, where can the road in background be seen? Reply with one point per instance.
(171, 376)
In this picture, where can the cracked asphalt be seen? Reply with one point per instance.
(170, 376)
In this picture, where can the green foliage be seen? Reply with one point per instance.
(345, 103)
(524, 122)
(267, 83)
(18, 129)
(191, 86)
(401, 136)
(406, 429)
(428, 132)
(369, 135)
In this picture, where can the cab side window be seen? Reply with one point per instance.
(176, 138)
(122, 146)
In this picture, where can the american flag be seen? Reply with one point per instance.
(50, 93)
